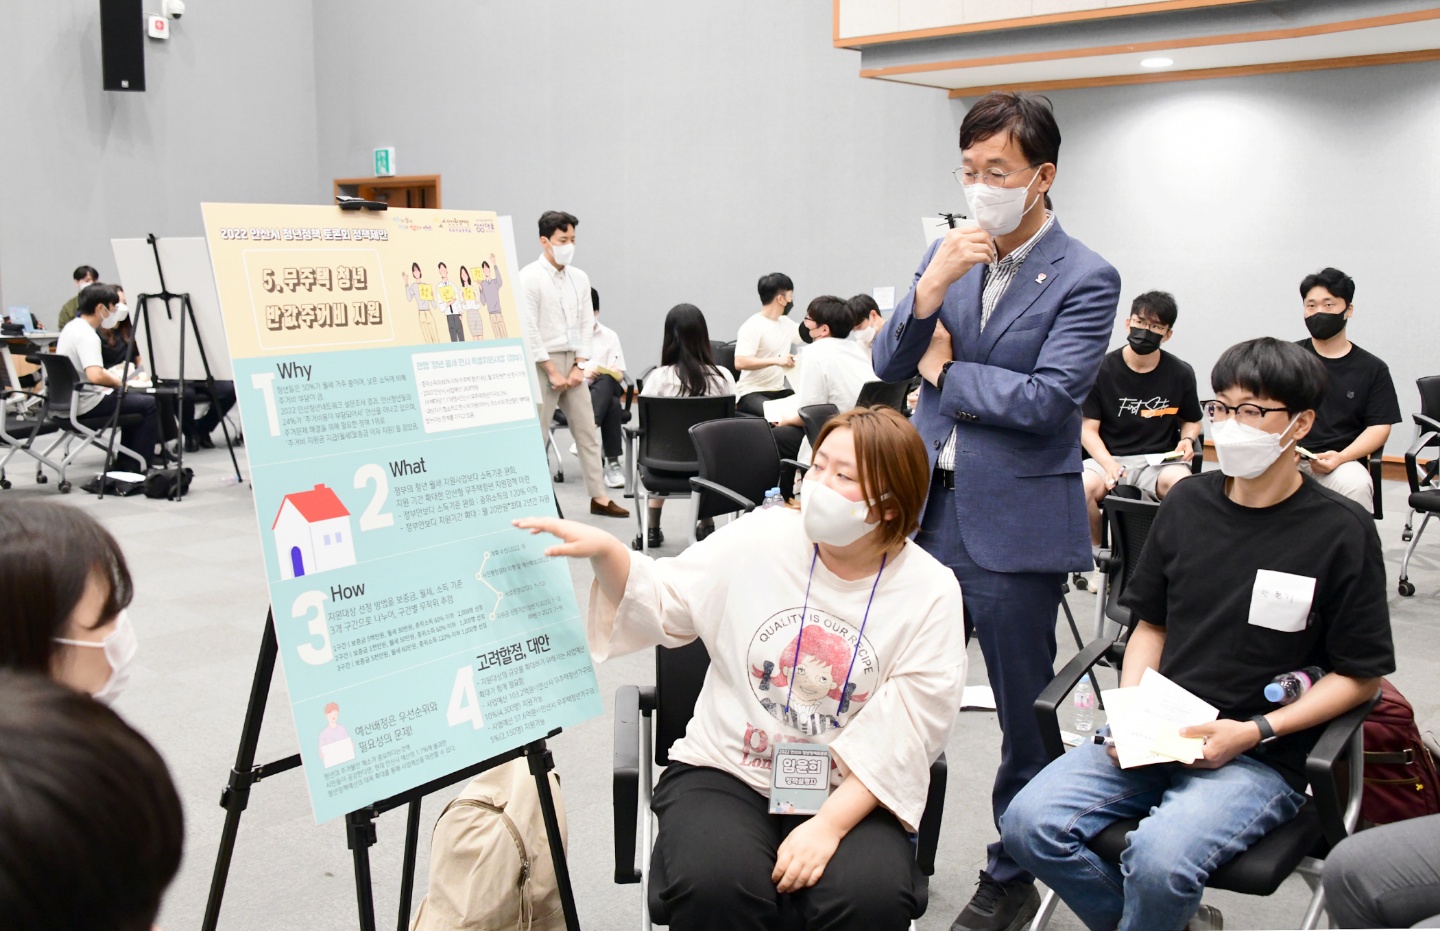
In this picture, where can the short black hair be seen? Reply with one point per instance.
(93, 295)
(834, 312)
(862, 305)
(595, 299)
(1156, 305)
(86, 271)
(1333, 280)
(1028, 118)
(554, 221)
(773, 284)
(91, 828)
(1272, 368)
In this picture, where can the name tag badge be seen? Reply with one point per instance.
(799, 779)
(574, 335)
(1281, 601)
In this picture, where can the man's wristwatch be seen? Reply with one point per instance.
(940, 379)
(1267, 733)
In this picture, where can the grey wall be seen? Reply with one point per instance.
(701, 145)
(1227, 193)
(229, 115)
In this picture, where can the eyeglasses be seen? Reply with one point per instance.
(1330, 305)
(1248, 414)
(991, 177)
(1153, 327)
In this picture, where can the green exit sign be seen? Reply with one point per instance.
(385, 162)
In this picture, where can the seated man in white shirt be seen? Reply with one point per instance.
(763, 344)
(605, 370)
(834, 369)
(104, 305)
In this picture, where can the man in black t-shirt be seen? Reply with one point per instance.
(1143, 407)
(1353, 421)
(1248, 573)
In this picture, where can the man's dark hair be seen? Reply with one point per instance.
(1333, 280)
(772, 284)
(85, 271)
(1158, 306)
(91, 828)
(1272, 368)
(861, 305)
(595, 299)
(834, 312)
(554, 221)
(1028, 118)
(93, 295)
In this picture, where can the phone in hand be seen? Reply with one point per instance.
(1305, 453)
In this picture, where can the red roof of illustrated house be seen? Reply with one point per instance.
(317, 504)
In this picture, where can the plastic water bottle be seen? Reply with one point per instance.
(1284, 689)
(772, 499)
(1084, 707)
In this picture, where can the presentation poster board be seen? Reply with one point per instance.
(390, 446)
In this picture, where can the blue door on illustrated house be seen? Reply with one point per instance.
(297, 562)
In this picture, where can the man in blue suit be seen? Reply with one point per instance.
(1007, 323)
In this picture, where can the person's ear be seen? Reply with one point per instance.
(1046, 177)
(1303, 425)
(1349, 311)
(1168, 333)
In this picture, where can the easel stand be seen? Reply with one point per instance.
(187, 315)
(360, 833)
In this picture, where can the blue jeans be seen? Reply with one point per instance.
(1198, 819)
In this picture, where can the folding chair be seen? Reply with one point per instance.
(1427, 420)
(641, 744)
(1424, 497)
(886, 393)
(21, 424)
(724, 355)
(664, 460)
(814, 417)
(558, 419)
(738, 465)
(63, 389)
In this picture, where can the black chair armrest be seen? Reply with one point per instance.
(799, 467)
(1377, 502)
(626, 787)
(739, 500)
(927, 835)
(1337, 819)
(1412, 467)
(1425, 424)
(1048, 704)
(1106, 561)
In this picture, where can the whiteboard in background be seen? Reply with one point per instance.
(186, 260)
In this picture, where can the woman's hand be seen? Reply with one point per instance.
(803, 856)
(576, 539)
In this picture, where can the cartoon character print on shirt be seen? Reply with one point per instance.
(809, 670)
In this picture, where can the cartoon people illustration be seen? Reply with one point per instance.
(490, 286)
(423, 294)
(335, 744)
(470, 303)
(448, 297)
(807, 681)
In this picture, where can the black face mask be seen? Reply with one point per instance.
(788, 308)
(1144, 341)
(805, 335)
(1323, 326)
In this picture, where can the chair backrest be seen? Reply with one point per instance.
(665, 430)
(724, 354)
(814, 417)
(679, 674)
(888, 393)
(739, 453)
(60, 381)
(1129, 524)
(1197, 461)
(1429, 396)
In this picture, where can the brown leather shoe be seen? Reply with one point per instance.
(609, 509)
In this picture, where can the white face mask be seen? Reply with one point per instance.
(120, 646)
(1245, 451)
(998, 210)
(865, 337)
(830, 517)
(564, 253)
(116, 315)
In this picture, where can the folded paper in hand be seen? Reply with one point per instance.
(1145, 721)
(782, 408)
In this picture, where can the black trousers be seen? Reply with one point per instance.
(141, 437)
(753, 403)
(719, 845)
(220, 404)
(607, 397)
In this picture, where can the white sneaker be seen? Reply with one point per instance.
(614, 478)
(572, 450)
(1093, 581)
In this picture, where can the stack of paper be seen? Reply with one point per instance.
(782, 408)
(1145, 721)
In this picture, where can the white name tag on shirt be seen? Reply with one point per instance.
(799, 779)
(574, 335)
(1281, 601)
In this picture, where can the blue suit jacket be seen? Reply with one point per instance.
(1013, 397)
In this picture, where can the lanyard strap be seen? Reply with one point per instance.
(805, 610)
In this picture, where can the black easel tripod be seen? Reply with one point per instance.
(187, 315)
(360, 834)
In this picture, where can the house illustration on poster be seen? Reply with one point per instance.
(312, 533)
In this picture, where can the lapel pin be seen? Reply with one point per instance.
(1040, 278)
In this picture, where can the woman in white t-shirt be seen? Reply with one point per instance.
(687, 370)
(826, 627)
